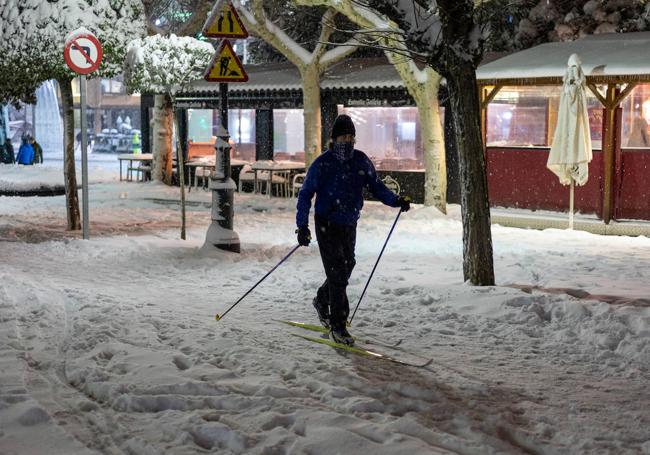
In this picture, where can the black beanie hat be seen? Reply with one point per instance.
(343, 125)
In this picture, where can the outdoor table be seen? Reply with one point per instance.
(131, 157)
(208, 162)
(272, 167)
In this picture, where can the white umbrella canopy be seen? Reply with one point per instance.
(571, 149)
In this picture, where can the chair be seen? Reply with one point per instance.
(246, 175)
(144, 173)
(203, 173)
(297, 182)
(281, 181)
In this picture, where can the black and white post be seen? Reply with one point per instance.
(220, 233)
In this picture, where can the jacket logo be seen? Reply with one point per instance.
(392, 184)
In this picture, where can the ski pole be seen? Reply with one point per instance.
(373, 269)
(220, 317)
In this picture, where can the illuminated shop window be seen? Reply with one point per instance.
(199, 127)
(202, 130)
(288, 135)
(527, 116)
(241, 126)
(635, 133)
(390, 136)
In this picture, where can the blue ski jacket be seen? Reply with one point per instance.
(25, 154)
(338, 186)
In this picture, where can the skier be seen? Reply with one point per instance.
(25, 152)
(338, 177)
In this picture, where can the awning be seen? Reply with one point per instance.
(348, 74)
(613, 57)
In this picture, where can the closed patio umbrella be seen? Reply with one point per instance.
(571, 149)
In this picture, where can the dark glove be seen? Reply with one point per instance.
(304, 235)
(404, 203)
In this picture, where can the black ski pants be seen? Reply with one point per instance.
(336, 244)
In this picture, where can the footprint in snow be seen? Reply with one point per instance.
(182, 362)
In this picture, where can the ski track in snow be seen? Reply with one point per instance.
(112, 347)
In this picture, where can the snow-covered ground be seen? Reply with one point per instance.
(16, 177)
(110, 345)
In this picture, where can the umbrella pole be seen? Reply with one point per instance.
(571, 204)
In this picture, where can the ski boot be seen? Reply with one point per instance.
(323, 313)
(341, 335)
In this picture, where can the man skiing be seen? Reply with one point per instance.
(338, 177)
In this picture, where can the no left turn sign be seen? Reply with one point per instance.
(83, 53)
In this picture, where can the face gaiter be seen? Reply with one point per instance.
(343, 150)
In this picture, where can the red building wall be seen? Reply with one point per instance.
(633, 201)
(518, 177)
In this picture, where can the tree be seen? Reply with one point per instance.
(501, 19)
(161, 65)
(422, 85)
(164, 66)
(180, 17)
(564, 20)
(31, 45)
(447, 36)
(311, 64)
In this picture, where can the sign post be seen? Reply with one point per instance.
(83, 54)
(224, 22)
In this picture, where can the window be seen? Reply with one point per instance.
(406, 131)
(635, 133)
(527, 116)
(199, 125)
(241, 126)
(288, 135)
(203, 126)
(390, 136)
(114, 86)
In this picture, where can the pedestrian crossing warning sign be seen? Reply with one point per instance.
(226, 66)
(224, 22)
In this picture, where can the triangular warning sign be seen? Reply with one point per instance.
(226, 66)
(224, 22)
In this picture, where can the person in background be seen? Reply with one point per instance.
(38, 150)
(25, 152)
(135, 143)
(7, 152)
(337, 178)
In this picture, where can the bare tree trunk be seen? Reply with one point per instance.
(312, 112)
(478, 266)
(70, 177)
(433, 143)
(163, 115)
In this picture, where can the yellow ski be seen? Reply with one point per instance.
(362, 351)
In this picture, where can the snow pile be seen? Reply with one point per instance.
(136, 363)
(15, 177)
